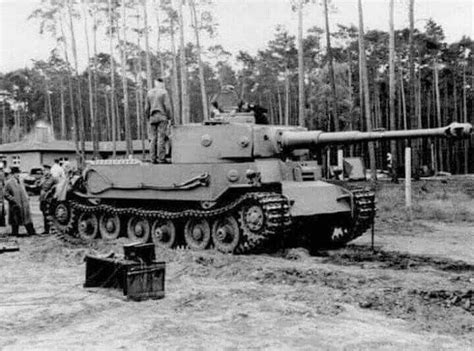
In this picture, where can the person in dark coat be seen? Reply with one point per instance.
(2, 203)
(19, 204)
(47, 187)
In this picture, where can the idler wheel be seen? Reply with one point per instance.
(62, 213)
(109, 226)
(254, 218)
(138, 229)
(163, 233)
(226, 234)
(197, 233)
(88, 226)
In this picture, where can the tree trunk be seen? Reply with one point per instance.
(4, 125)
(78, 82)
(270, 105)
(71, 95)
(446, 143)
(464, 108)
(89, 81)
(137, 109)
(411, 63)
(183, 67)
(158, 40)
(195, 24)
(112, 82)
(126, 112)
(455, 97)
(50, 107)
(178, 117)
(106, 135)
(361, 97)
(365, 80)
(351, 98)
(139, 86)
(351, 92)
(94, 75)
(413, 122)
(301, 95)
(332, 76)
(392, 89)
(119, 123)
(428, 108)
(404, 105)
(438, 113)
(280, 107)
(63, 112)
(287, 97)
(149, 84)
(418, 101)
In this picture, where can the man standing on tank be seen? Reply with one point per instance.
(158, 114)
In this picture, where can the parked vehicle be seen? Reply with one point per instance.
(32, 181)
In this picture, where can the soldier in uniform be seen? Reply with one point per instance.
(19, 204)
(226, 100)
(47, 186)
(158, 114)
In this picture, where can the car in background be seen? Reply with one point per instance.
(32, 181)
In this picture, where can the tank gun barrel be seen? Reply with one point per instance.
(307, 139)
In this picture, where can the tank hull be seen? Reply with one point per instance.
(201, 183)
(235, 207)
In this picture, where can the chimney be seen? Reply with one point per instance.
(42, 134)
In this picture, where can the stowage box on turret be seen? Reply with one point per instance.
(231, 184)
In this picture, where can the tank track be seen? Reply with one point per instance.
(363, 212)
(276, 210)
(363, 215)
(275, 207)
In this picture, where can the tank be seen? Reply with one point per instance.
(230, 184)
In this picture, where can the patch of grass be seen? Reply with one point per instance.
(434, 200)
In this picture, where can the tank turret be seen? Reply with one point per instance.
(227, 140)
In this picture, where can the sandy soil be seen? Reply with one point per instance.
(415, 292)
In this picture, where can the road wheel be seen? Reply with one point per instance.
(138, 229)
(62, 216)
(226, 234)
(197, 233)
(88, 226)
(254, 218)
(109, 226)
(163, 233)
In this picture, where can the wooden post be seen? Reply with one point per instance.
(340, 162)
(328, 163)
(408, 182)
(433, 158)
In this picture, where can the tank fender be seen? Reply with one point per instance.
(314, 198)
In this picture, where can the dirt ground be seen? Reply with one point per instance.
(414, 292)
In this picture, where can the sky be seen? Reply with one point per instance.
(242, 24)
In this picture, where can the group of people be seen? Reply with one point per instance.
(13, 191)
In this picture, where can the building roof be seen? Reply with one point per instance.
(66, 146)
